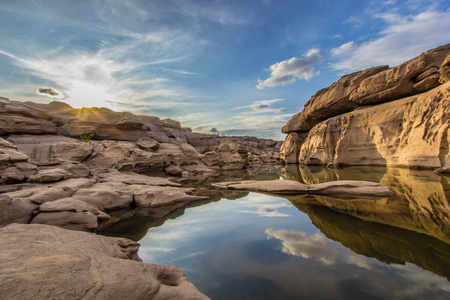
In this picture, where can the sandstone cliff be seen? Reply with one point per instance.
(380, 116)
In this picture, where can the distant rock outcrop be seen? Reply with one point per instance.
(380, 116)
(99, 138)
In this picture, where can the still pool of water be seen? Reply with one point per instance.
(258, 246)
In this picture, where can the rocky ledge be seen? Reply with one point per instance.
(396, 116)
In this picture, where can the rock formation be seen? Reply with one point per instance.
(93, 138)
(380, 116)
(47, 262)
(77, 169)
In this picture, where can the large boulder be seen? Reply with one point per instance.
(56, 263)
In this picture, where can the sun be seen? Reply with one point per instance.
(83, 94)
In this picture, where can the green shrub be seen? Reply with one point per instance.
(87, 137)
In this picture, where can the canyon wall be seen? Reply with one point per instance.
(380, 116)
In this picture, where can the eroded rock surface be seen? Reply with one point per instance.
(102, 138)
(380, 116)
(349, 188)
(47, 262)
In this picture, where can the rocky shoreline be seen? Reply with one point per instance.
(78, 170)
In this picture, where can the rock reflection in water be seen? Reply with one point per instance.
(421, 203)
(408, 228)
(385, 243)
(134, 224)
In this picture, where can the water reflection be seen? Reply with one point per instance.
(135, 223)
(421, 203)
(385, 243)
(262, 247)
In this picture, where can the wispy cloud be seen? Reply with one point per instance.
(343, 49)
(260, 104)
(289, 71)
(215, 11)
(403, 38)
(122, 70)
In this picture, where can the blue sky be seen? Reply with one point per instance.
(242, 67)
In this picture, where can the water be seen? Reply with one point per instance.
(258, 246)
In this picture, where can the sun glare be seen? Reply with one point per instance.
(87, 95)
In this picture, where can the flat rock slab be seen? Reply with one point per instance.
(47, 262)
(134, 178)
(267, 186)
(156, 196)
(289, 187)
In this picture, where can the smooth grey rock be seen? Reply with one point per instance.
(334, 188)
(57, 263)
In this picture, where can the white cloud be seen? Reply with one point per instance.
(316, 246)
(262, 205)
(343, 49)
(288, 71)
(404, 38)
(298, 243)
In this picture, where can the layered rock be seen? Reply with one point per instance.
(380, 116)
(102, 138)
(76, 185)
(87, 204)
(55, 263)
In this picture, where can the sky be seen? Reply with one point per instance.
(234, 67)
